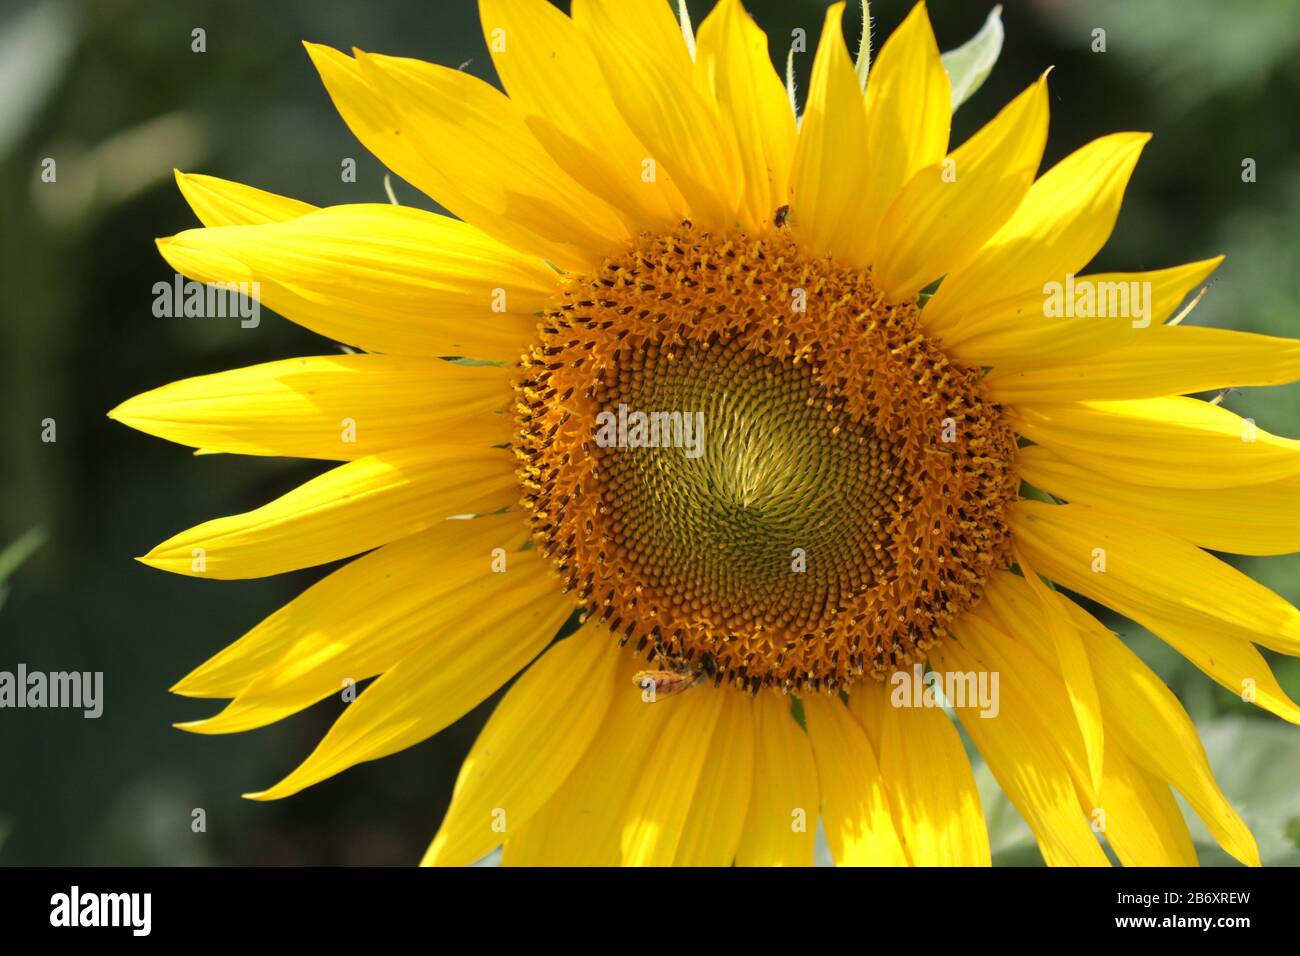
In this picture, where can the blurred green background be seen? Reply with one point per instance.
(111, 90)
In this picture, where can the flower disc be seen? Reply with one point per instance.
(753, 465)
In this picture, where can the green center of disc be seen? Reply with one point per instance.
(735, 488)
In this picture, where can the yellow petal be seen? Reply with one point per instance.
(582, 824)
(1235, 664)
(1162, 360)
(479, 146)
(375, 122)
(1141, 714)
(1164, 442)
(645, 62)
(1026, 743)
(324, 654)
(1075, 670)
(1244, 519)
(465, 144)
(535, 737)
(645, 29)
(359, 620)
(219, 202)
(337, 407)
(1157, 734)
(1033, 677)
(1066, 217)
(717, 814)
(909, 112)
(347, 510)
(948, 209)
(1134, 810)
(1143, 823)
(781, 825)
(1017, 333)
(552, 76)
(827, 196)
(1231, 661)
(1158, 580)
(439, 683)
(665, 790)
(732, 63)
(855, 806)
(928, 778)
(386, 278)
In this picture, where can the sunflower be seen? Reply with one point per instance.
(904, 459)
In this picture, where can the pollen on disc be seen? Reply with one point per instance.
(824, 492)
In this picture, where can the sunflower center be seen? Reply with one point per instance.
(728, 505)
(753, 466)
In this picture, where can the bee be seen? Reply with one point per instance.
(662, 684)
(675, 677)
(781, 215)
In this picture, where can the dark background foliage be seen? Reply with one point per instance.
(111, 90)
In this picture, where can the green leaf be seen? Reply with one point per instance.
(35, 47)
(796, 711)
(969, 65)
(14, 555)
(1292, 831)
(1257, 763)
